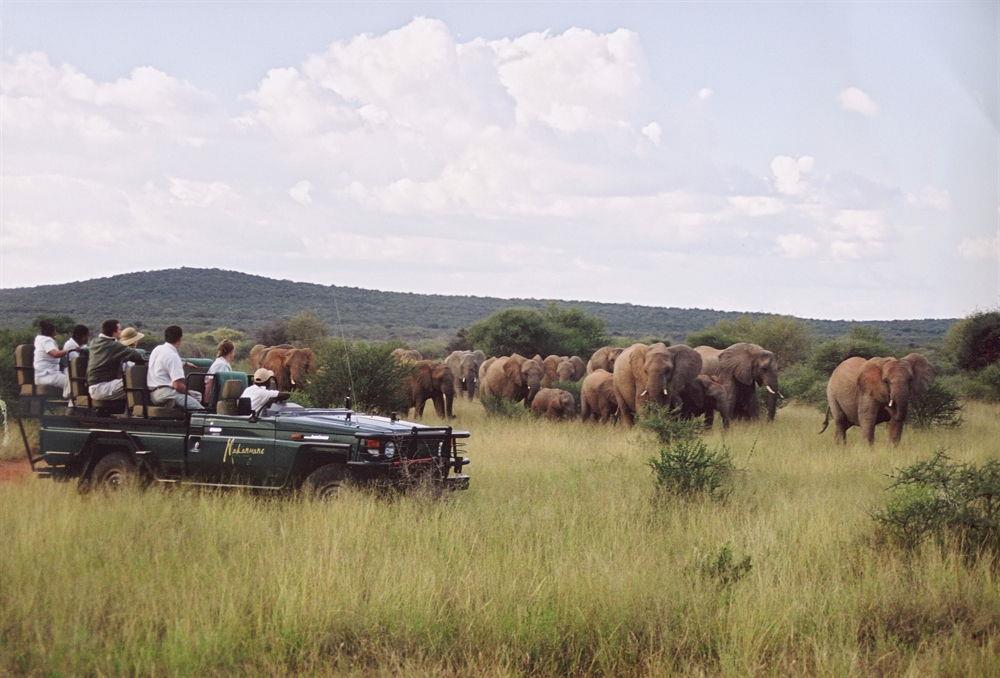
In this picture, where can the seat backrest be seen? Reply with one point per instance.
(135, 387)
(78, 375)
(24, 360)
(228, 399)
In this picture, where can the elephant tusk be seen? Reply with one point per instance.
(665, 392)
(644, 393)
(891, 401)
(780, 395)
(769, 389)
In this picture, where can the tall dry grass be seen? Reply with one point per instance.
(556, 561)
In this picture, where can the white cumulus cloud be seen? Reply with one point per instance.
(796, 245)
(705, 93)
(788, 173)
(300, 192)
(929, 196)
(856, 101)
(984, 248)
(653, 132)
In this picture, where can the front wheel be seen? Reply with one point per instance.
(114, 471)
(325, 482)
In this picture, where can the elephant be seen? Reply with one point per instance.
(704, 397)
(431, 380)
(597, 397)
(866, 393)
(554, 404)
(709, 359)
(514, 378)
(483, 369)
(740, 369)
(604, 359)
(406, 355)
(549, 365)
(291, 366)
(565, 371)
(464, 366)
(579, 367)
(258, 352)
(656, 373)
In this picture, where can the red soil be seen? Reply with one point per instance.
(14, 470)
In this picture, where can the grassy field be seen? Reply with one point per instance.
(557, 561)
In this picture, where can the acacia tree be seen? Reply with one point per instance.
(554, 330)
(974, 341)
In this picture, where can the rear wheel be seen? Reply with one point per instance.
(325, 482)
(115, 471)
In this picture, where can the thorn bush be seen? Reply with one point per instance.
(939, 406)
(687, 468)
(944, 499)
(724, 568)
(496, 406)
(668, 425)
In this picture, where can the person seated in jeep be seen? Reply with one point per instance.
(259, 393)
(107, 354)
(46, 359)
(165, 376)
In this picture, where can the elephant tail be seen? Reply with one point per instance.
(826, 421)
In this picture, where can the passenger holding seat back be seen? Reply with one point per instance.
(259, 394)
(46, 359)
(104, 368)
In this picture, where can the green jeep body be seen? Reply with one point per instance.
(274, 449)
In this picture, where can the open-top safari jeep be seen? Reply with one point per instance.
(278, 447)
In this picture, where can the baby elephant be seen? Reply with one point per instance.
(597, 397)
(554, 404)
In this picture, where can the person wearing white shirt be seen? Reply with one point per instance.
(225, 355)
(46, 359)
(258, 392)
(79, 339)
(165, 374)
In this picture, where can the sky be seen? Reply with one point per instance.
(833, 160)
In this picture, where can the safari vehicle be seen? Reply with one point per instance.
(279, 447)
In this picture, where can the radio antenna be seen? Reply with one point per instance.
(343, 339)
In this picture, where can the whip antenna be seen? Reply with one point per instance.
(347, 349)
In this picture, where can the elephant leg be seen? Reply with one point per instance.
(438, 401)
(709, 418)
(868, 429)
(623, 412)
(895, 431)
(421, 402)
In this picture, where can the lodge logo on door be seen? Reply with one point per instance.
(234, 449)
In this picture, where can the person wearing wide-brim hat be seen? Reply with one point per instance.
(259, 393)
(130, 337)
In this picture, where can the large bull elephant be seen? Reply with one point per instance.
(740, 369)
(604, 359)
(258, 352)
(431, 380)
(514, 378)
(866, 393)
(291, 366)
(657, 373)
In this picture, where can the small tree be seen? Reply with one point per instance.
(379, 382)
(273, 333)
(975, 340)
(63, 323)
(859, 343)
(790, 339)
(307, 328)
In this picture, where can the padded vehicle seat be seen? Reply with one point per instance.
(24, 361)
(229, 398)
(139, 403)
(78, 386)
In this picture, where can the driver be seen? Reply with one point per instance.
(259, 394)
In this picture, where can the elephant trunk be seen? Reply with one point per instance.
(773, 393)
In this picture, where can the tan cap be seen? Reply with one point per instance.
(262, 375)
(130, 336)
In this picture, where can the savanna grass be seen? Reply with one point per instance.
(556, 561)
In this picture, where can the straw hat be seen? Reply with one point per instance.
(130, 336)
(262, 375)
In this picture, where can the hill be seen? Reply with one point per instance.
(201, 299)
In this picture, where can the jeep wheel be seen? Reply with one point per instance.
(115, 471)
(325, 482)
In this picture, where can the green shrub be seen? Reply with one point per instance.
(974, 341)
(723, 567)
(301, 398)
(496, 406)
(553, 330)
(829, 354)
(688, 468)
(789, 338)
(667, 424)
(944, 499)
(939, 406)
(988, 381)
(804, 384)
(378, 380)
(306, 328)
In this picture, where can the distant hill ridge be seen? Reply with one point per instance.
(201, 299)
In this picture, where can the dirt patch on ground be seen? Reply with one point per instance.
(14, 470)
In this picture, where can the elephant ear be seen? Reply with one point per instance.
(512, 370)
(637, 362)
(687, 367)
(923, 372)
(870, 380)
(738, 361)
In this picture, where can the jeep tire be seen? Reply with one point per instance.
(114, 471)
(325, 482)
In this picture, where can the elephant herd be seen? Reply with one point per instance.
(618, 382)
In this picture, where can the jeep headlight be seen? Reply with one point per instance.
(390, 450)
